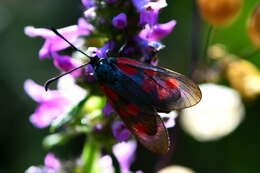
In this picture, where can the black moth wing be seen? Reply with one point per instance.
(167, 89)
(142, 120)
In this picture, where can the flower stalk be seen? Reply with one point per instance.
(90, 156)
(78, 106)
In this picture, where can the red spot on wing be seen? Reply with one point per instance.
(148, 85)
(133, 109)
(162, 93)
(167, 88)
(110, 93)
(172, 83)
(150, 72)
(129, 110)
(127, 69)
(122, 111)
(127, 61)
(141, 129)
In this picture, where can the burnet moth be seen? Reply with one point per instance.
(138, 91)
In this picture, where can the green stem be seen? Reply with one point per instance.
(207, 43)
(90, 155)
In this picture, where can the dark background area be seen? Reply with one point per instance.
(21, 143)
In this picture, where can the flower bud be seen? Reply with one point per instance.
(254, 27)
(120, 21)
(219, 12)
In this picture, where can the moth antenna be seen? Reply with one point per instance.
(48, 82)
(61, 36)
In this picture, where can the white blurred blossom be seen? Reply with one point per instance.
(176, 169)
(218, 114)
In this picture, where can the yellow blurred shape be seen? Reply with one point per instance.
(254, 27)
(217, 51)
(219, 12)
(244, 77)
(176, 169)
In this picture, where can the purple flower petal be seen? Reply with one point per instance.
(84, 27)
(120, 21)
(35, 91)
(88, 73)
(139, 171)
(66, 63)
(109, 46)
(68, 88)
(51, 161)
(88, 3)
(120, 132)
(139, 4)
(148, 16)
(125, 153)
(49, 110)
(98, 127)
(158, 31)
(108, 109)
(149, 10)
(90, 13)
(53, 42)
(53, 103)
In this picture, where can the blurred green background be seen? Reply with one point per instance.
(21, 143)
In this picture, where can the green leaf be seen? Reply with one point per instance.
(69, 116)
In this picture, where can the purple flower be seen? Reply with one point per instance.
(53, 103)
(140, 4)
(125, 154)
(149, 10)
(120, 21)
(108, 109)
(54, 43)
(158, 31)
(66, 63)
(51, 161)
(88, 3)
(120, 132)
(109, 46)
(90, 13)
(148, 50)
(148, 16)
(88, 73)
(51, 165)
(84, 27)
(101, 52)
